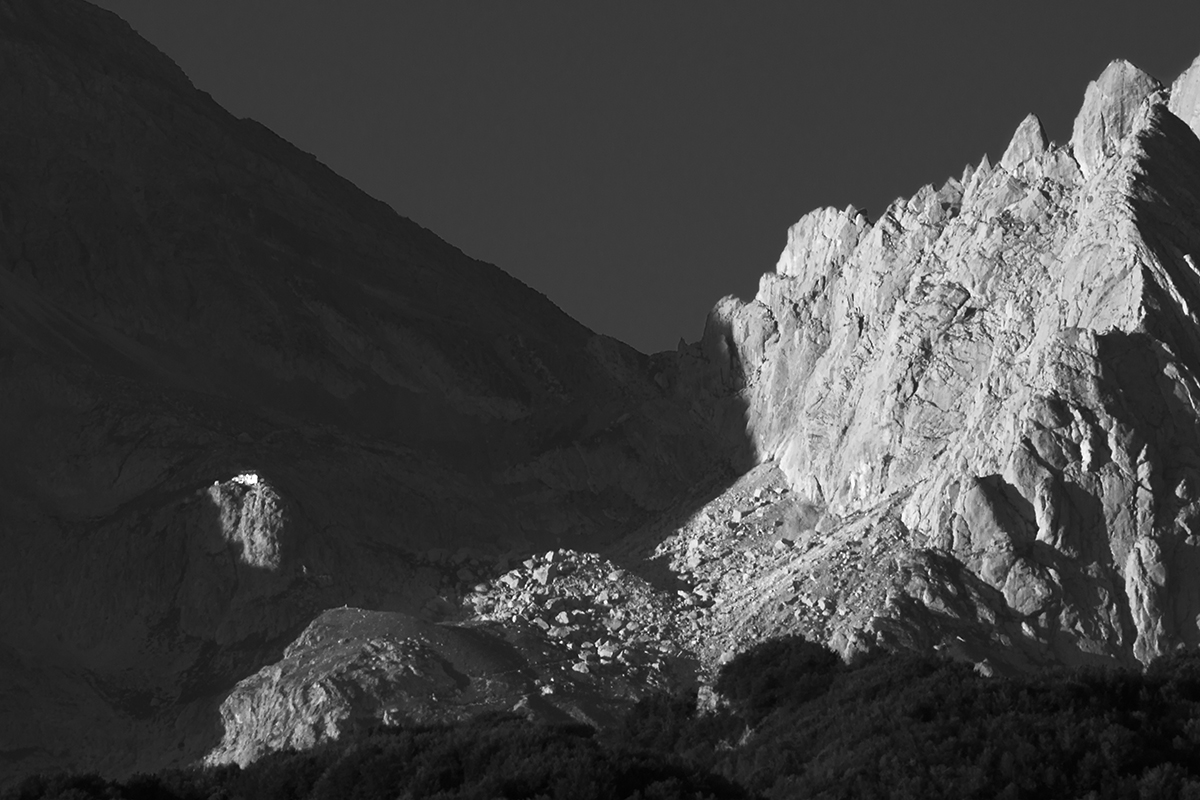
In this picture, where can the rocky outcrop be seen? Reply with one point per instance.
(1004, 371)
(1185, 96)
(563, 636)
(1106, 119)
(1028, 144)
(352, 670)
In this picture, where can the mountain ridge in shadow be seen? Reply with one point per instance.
(185, 297)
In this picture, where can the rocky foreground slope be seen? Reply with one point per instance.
(280, 464)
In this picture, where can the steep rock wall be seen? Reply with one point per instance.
(1007, 366)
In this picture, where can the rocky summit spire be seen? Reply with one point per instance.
(1185, 96)
(1107, 115)
(1028, 143)
(988, 399)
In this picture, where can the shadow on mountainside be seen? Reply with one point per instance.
(197, 595)
(704, 386)
(212, 301)
(122, 653)
(1141, 385)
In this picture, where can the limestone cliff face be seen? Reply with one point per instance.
(1007, 368)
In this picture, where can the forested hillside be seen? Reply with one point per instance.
(791, 720)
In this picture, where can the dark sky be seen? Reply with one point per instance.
(635, 161)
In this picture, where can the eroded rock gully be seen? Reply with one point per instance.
(279, 464)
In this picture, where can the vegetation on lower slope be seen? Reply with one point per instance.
(800, 724)
(495, 756)
(794, 722)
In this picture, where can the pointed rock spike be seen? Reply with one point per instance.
(1185, 96)
(1109, 107)
(1028, 142)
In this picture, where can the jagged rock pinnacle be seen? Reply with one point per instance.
(1006, 371)
(1109, 106)
(1185, 96)
(1028, 142)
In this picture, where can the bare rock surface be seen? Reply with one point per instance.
(353, 669)
(1185, 96)
(987, 400)
(1106, 119)
(560, 636)
(1028, 144)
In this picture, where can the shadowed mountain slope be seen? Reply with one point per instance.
(235, 391)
